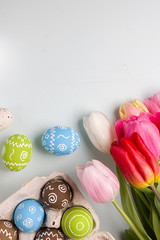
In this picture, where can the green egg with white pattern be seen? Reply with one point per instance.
(16, 152)
(77, 222)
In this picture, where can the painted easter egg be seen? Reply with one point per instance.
(8, 231)
(77, 222)
(60, 140)
(49, 234)
(5, 118)
(29, 215)
(17, 152)
(57, 194)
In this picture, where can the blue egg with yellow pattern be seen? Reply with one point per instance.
(29, 215)
(60, 140)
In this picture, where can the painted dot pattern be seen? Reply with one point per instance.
(60, 140)
(57, 194)
(29, 215)
(17, 152)
(77, 222)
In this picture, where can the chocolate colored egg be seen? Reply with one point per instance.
(49, 234)
(56, 194)
(77, 223)
(8, 231)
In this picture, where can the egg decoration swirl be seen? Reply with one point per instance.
(34, 220)
(77, 222)
(8, 231)
(29, 215)
(56, 194)
(60, 140)
(16, 152)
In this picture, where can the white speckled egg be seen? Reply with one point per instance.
(60, 140)
(5, 118)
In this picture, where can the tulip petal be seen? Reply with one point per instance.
(140, 105)
(101, 168)
(130, 110)
(156, 99)
(155, 119)
(138, 160)
(97, 186)
(119, 128)
(152, 107)
(91, 135)
(89, 163)
(79, 170)
(100, 131)
(151, 160)
(122, 112)
(148, 132)
(128, 168)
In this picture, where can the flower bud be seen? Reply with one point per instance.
(136, 161)
(144, 127)
(99, 182)
(100, 131)
(129, 109)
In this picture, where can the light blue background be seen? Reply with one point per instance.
(61, 60)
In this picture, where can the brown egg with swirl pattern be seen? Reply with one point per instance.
(57, 194)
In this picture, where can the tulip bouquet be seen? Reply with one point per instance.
(134, 143)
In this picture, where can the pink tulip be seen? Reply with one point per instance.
(99, 182)
(155, 119)
(135, 108)
(144, 127)
(153, 103)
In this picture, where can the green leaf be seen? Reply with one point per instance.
(156, 202)
(130, 235)
(142, 196)
(128, 206)
(143, 212)
(155, 221)
(148, 193)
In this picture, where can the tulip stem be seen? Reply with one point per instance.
(128, 220)
(154, 189)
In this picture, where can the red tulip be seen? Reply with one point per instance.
(144, 126)
(136, 161)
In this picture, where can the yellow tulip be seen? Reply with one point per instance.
(129, 109)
